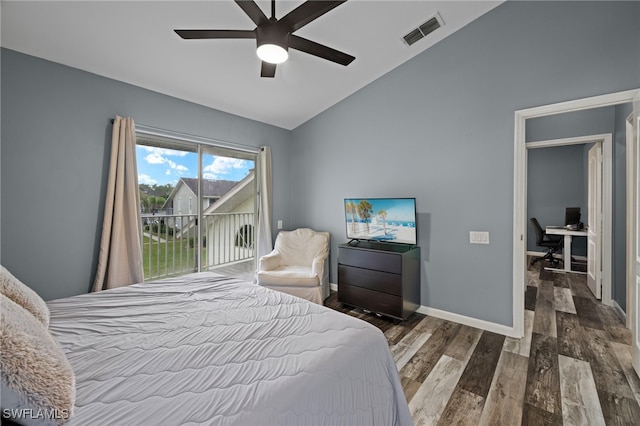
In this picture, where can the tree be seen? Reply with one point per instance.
(364, 211)
(144, 202)
(383, 216)
(350, 208)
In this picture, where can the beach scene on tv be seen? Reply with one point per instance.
(381, 219)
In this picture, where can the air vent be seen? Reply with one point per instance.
(423, 30)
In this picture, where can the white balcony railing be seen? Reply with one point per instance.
(173, 244)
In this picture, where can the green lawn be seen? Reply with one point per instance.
(173, 257)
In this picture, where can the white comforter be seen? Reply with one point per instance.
(205, 349)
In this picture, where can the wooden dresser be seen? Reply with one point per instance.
(383, 278)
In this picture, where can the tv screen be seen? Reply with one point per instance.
(391, 220)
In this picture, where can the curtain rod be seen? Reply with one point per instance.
(154, 131)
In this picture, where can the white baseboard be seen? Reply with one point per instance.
(471, 322)
(618, 309)
(460, 319)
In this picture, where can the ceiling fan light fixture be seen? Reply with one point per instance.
(272, 43)
(272, 53)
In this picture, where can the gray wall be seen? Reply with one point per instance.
(56, 136)
(440, 128)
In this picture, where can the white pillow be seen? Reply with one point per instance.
(21, 294)
(38, 384)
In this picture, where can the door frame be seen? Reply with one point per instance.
(520, 185)
(630, 187)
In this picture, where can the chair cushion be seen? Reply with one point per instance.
(18, 292)
(298, 276)
(301, 246)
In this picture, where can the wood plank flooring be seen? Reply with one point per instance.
(573, 367)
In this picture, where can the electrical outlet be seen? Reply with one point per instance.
(279, 224)
(478, 237)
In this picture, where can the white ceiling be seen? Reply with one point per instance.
(133, 41)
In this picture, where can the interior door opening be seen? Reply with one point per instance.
(520, 187)
(599, 194)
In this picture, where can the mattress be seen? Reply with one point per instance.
(207, 349)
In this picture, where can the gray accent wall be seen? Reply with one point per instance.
(440, 128)
(56, 138)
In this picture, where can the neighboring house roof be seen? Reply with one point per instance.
(210, 187)
(236, 196)
(242, 191)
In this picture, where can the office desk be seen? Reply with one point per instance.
(566, 250)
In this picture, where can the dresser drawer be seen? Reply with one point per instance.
(373, 301)
(370, 259)
(373, 280)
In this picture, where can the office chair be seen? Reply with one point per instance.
(552, 243)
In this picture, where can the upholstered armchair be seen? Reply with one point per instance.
(298, 265)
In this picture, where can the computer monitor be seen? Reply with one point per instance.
(572, 216)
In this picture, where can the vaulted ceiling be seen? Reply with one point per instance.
(134, 42)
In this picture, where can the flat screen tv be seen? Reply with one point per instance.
(391, 220)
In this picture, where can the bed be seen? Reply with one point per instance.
(207, 349)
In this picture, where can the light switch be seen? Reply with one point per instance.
(279, 224)
(478, 237)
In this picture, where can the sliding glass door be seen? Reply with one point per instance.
(198, 207)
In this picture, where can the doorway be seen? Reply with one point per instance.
(604, 143)
(520, 187)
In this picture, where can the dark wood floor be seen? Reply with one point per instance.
(573, 367)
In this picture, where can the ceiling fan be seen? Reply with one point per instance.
(275, 36)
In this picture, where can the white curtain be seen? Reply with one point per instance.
(264, 243)
(120, 259)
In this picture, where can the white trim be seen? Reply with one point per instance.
(471, 322)
(630, 222)
(185, 137)
(579, 104)
(619, 310)
(520, 192)
(578, 140)
(607, 219)
(457, 318)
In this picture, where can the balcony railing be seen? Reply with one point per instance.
(172, 244)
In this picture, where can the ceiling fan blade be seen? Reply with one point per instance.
(253, 11)
(268, 70)
(210, 34)
(307, 12)
(324, 52)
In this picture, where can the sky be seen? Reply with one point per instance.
(161, 166)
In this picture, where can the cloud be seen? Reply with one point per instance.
(222, 166)
(159, 156)
(142, 178)
(164, 151)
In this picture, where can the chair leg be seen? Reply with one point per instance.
(547, 256)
